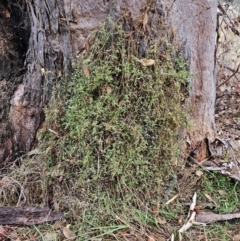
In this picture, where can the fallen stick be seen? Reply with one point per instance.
(27, 215)
(209, 217)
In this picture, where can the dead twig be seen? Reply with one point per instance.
(209, 217)
(236, 71)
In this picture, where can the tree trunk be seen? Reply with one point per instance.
(195, 23)
(14, 28)
(58, 30)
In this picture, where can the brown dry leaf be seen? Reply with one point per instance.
(122, 102)
(151, 238)
(4, 230)
(57, 171)
(180, 220)
(56, 206)
(109, 89)
(43, 71)
(86, 71)
(69, 234)
(210, 199)
(145, 20)
(22, 167)
(59, 224)
(108, 127)
(154, 209)
(144, 62)
(13, 235)
(202, 237)
(35, 235)
(147, 62)
(199, 173)
(222, 193)
(7, 14)
(108, 140)
(86, 45)
(175, 162)
(235, 144)
(90, 99)
(236, 237)
(60, 179)
(161, 220)
(52, 236)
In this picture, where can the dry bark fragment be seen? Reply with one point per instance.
(209, 217)
(27, 215)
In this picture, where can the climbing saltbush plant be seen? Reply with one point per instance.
(118, 119)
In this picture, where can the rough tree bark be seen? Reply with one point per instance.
(195, 23)
(58, 30)
(14, 35)
(27, 216)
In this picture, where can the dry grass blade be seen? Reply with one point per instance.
(145, 20)
(172, 199)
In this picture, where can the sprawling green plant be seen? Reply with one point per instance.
(118, 121)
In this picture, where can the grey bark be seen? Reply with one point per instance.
(27, 216)
(58, 31)
(195, 24)
(14, 35)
